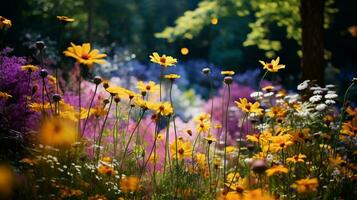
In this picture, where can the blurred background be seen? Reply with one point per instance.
(221, 34)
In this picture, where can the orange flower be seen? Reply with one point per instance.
(306, 185)
(129, 184)
(296, 158)
(277, 169)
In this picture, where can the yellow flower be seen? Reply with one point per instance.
(65, 19)
(231, 149)
(276, 112)
(268, 88)
(151, 86)
(57, 132)
(232, 178)
(201, 160)
(214, 20)
(5, 22)
(202, 117)
(218, 126)
(351, 111)
(129, 184)
(165, 61)
(273, 66)
(29, 68)
(203, 127)
(7, 181)
(227, 73)
(280, 142)
(277, 169)
(172, 76)
(248, 107)
(296, 158)
(161, 108)
(184, 51)
(184, 149)
(84, 55)
(4, 95)
(257, 194)
(336, 160)
(210, 139)
(106, 170)
(253, 138)
(306, 185)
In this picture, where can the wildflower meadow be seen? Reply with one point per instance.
(83, 120)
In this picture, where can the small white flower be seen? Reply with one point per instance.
(248, 160)
(330, 101)
(315, 98)
(331, 96)
(330, 86)
(270, 157)
(269, 94)
(321, 107)
(256, 94)
(318, 92)
(316, 88)
(303, 85)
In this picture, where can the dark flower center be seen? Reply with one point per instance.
(270, 66)
(148, 87)
(85, 56)
(163, 60)
(181, 151)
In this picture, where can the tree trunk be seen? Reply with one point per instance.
(312, 21)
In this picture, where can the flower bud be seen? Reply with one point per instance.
(56, 97)
(106, 101)
(206, 70)
(259, 166)
(40, 45)
(97, 80)
(117, 99)
(43, 73)
(228, 80)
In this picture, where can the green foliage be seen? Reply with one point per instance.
(267, 14)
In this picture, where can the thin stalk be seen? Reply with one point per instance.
(209, 167)
(88, 113)
(79, 99)
(102, 128)
(225, 136)
(131, 136)
(152, 149)
(238, 156)
(48, 97)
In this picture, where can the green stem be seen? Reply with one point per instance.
(90, 106)
(225, 137)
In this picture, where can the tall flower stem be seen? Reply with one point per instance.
(128, 122)
(80, 98)
(211, 96)
(47, 94)
(239, 151)
(90, 106)
(161, 74)
(261, 80)
(209, 166)
(193, 148)
(131, 136)
(115, 130)
(225, 135)
(153, 146)
(167, 153)
(102, 128)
